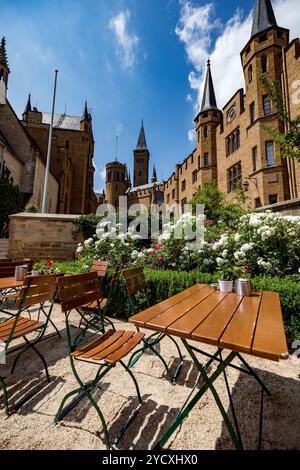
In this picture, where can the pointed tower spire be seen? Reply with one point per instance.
(86, 115)
(264, 17)
(28, 105)
(141, 143)
(209, 101)
(3, 54)
(154, 175)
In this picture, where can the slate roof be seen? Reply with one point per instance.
(264, 17)
(63, 121)
(209, 101)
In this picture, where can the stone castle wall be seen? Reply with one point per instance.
(42, 236)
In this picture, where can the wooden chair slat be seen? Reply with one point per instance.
(125, 349)
(115, 346)
(68, 305)
(97, 346)
(69, 280)
(22, 328)
(83, 288)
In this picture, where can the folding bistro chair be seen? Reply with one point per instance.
(90, 312)
(105, 350)
(35, 291)
(136, 284)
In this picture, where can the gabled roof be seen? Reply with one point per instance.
(62, 121)
(263, 17)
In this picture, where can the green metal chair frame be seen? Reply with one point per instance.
(35, 291)
(136, 283)
(75, 291)
(93, 312)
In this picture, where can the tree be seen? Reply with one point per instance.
(290, 140)
(215, 206)
(9, 195)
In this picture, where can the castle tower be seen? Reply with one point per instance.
(141, 160)
(117, 182)
(86, 119)
(263, 56)
(4, 71)
(206, 124)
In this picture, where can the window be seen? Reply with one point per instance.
(233, 142)
(250, 73)
(139, 174)
(263, 38)
(183, 185)
(255, 158)
(252, 113)
(257, 202)
(109, 176)
(173, 193)
(194, 176)
(192, 159)
(264, 63)
(234, 176)
(267, 105)
(206, 159)
(168, 198)
(205, 132)
(199, 163)
(183, 202)
(270, 154)
(198, 136)
(273, 199)
(67, 144)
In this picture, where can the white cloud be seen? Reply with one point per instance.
(188, 98)
(195, 28)
(191, 135)
(126, 42)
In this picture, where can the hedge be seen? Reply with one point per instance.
(164, 284)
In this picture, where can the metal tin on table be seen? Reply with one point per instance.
(243, 287)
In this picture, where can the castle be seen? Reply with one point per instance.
(233, 148)
(23, 148)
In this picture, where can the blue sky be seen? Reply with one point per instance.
(130, 59)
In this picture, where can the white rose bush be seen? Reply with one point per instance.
(261, 244)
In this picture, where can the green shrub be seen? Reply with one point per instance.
(86, 224)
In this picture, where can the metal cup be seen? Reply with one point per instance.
(243, 287)
(20, 273)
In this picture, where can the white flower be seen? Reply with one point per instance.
(206, 261)
(141, 255)
(219, 261)
(88, 242)
(80, 249)
(254, 220)
(237, 237)
(225, 253)
(238, 255)
(246, 247)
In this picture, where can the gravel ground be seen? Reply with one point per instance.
(31, 427)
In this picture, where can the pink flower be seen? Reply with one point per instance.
(208, 223)
(152, 251)
(157, 246)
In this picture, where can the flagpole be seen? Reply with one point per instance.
(49, 147)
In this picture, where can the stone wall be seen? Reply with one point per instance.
(42, 236)
(285, 208)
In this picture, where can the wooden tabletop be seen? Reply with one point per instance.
(9, 283)
(251, 325)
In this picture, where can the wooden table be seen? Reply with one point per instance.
(251, 325)
(9, 283)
